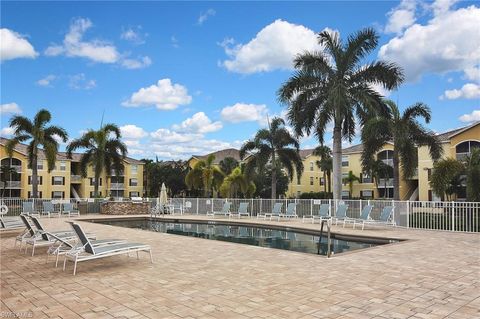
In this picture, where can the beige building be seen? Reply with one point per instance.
(64, 181)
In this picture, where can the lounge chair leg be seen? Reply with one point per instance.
(75, 267)
(33, 249)
(137, 255)
(151, 257)
(56, 261)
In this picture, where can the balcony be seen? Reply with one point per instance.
(75, 178)
(11, 184)
(17, 168)
(117, 186)
(113, 173)
(382, 182)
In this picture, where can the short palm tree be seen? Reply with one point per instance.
(104, 151)
(380, 170)
(40, 135)
(276, 146)
(447, 177)
(406, 134)
(205, 174)
(472, 167)
(349, 180)
(325, 164)
(236, 182)
(6, 173)
(336, 86)
(228, 164)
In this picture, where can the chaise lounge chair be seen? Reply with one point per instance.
(291, 211)
(364, 215)
(276, 211)
(88, 251)
(340, 214)
(386, 218)
(28, 209)
(49, 209)
(242, 211)
(10, 223)
(224, 212)
(68, 209)
(323, 213)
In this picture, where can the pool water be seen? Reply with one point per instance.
(249, 235)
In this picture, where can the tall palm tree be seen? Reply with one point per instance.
(350, 179)
(104, 151)
(276, 146)
(205, 174)
(40, 135)
(325, 164)
(334, 86)
(406, 133)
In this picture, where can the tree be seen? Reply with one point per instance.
(325, 164)
(263, 182)
(228, 164)
(446, 178)
(205, 174)
(472, 163)
(104, 151)
(236, 182)
(276, 146)
(6, 173)
(379, 170)
(406, 133)
(172, 173)
(350, 179)
(333, 86)
(39, 135)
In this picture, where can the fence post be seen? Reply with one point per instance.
(330, 207)
(260, 209)
(408, 214)
(393, 213)
(197, 205)
(453, 216)
(311, 208)
(212, 203)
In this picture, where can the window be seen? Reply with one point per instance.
(345, 194)
(429, 174)
(322, 181)
(311, 166)
(344, 176)
(92, 194)
(311, 181)
(368, 194)
(134, 169)
(134, 194)
(58, 180)
(386, 157)
(58, 195)
(345, 160)
(63, 166)
(39, 180)
(133, 182)
(92, 181)
(117, 193)
(465, 148)
(40, 165)
(299, 193)
(385, 192)
(38, 193)
(365, 178)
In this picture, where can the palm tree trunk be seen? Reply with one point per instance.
(34, 175)
(329, 176)
(396, 176)
(95, 187)
(325, 182)
(274, 176)
(337, 162)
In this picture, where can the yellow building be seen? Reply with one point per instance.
(64, 181)
(219, 156)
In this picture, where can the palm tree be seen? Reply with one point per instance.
(406, 133)
(104, 151)
(236, 182)
(325, 164)
(472, 164)
(350, 179)
(205, 174)
(333, 86)
(276, 146)
(380, 170)
(447, 177)
(6, 173)
(228, 164)
(39, 135)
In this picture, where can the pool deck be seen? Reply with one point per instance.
(431, 275)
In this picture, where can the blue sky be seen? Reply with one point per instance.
(190, 78)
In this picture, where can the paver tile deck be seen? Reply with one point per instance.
(431, 275)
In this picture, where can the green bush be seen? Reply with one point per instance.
(317, 195)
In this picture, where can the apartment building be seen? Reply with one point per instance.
(65, 181)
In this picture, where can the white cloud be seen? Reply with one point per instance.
(164, 95)
(274, 47)
(75, 46)
(131, 131)
(198, 123)
(134, 35)
(472, 117)
(242, 112)
(437, 46)
(468, 91)
(6, 131)
(401, 17)
(10, 108)
(14, 46)
(80, 82)
(47, 81)
(473, 73)
(205, 15)
(139, 63)
(164, 136)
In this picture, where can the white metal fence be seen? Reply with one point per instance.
(448, 216)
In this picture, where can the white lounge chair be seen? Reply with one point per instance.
(242, 211)
(386, 218)
(291, 211)
(323, 214)
(364, 215)
(89, 251)
(224, 212)
(49, 209)
(340, 214)
(28, 209)
(68, 209)
(276, 211)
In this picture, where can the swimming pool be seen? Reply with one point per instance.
(255, 235)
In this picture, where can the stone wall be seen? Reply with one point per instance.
(125, 208)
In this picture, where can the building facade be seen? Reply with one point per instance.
(65, 181)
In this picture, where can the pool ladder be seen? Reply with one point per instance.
(329, 241)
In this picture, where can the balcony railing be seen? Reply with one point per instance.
(11, 184)
(382, 182)
(75, 178)
(113, 173)
(117, 186)
(17, 168)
